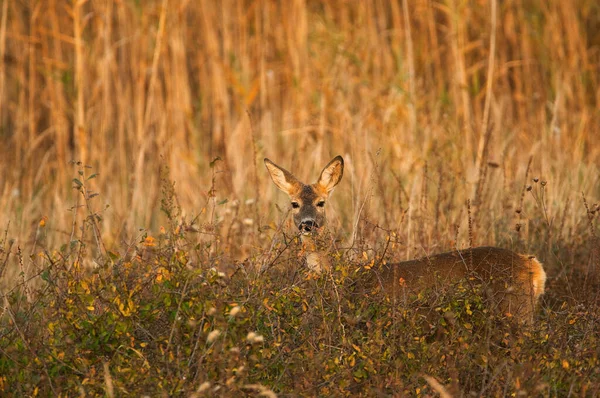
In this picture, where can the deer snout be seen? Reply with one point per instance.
(307, 226)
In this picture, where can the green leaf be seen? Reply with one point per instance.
(45, 276)
(77, 182)
(92, 176)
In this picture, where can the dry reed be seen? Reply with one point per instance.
(129, 86)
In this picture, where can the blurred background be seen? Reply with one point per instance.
(431, 103)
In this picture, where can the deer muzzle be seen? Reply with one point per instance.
(307, 226)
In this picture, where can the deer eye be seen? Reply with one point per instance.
(321, 203)
(295, 205)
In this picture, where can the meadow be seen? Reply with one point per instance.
(146, 251)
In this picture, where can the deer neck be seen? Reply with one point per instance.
(315, 254)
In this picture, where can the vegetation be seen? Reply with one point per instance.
(146, 251)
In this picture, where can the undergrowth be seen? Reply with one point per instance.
(159, 317)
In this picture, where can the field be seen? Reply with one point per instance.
(146, 250)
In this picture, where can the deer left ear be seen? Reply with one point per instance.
(283, 178)
(332, 174)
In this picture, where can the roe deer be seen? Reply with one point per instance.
(513, 281)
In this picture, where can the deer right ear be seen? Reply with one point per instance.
(282, 178)
(332, 174)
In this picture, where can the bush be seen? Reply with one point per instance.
(156, 321)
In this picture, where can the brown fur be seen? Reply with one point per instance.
(514, 281)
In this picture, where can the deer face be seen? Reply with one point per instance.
(308, 201)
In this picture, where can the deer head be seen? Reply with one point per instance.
(308, 201)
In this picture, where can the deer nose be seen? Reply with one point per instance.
(307, 226)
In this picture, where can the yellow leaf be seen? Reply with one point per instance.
(149, 241)
(266, 304)
(162, 274)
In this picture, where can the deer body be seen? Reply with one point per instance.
(514, 282)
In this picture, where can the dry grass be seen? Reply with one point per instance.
(431, 103)
(126, 87)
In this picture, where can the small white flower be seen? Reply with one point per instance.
(254, 338)
(204, 386)
(234, 311)
(250, 202)
(212, 336)
(259, 339)
(248, 222)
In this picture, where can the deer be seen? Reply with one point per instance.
(513, 281)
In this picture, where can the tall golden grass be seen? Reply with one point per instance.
(461, 123)
(430, 102)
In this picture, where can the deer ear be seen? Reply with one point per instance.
(282, 178)
(332, 174)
